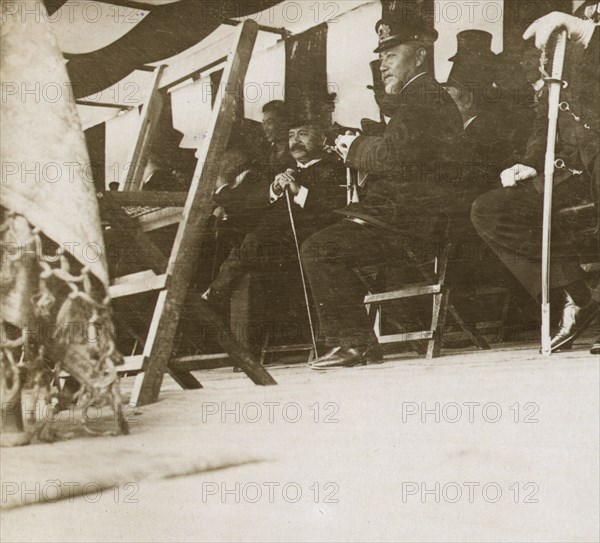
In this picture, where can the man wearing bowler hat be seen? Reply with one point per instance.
(414, 179)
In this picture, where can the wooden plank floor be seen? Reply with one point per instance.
(379, 453)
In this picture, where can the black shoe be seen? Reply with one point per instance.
(214, 299)
(374, 354)
(339, 357)
(574, 321)
(596, 346)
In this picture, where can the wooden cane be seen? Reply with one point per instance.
(304, 286)
(554, 87)
(349, 186)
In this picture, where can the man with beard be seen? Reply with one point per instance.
(412, 182)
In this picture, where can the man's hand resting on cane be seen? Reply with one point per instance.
(578, 30)
(284, 181)
(519, 172)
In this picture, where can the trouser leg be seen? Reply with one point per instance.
(510, 222)
(266, 249)
(329, 258)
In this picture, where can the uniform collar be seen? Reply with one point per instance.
(308, 164)
(411, 80)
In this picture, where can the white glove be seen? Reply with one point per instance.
(343, 143)
(519, 172)
(578, 30)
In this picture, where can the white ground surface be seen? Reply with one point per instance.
(357, 464)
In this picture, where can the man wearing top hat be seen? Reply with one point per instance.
(509, 219)
(414, 179)
(316, 187)
(488, 140)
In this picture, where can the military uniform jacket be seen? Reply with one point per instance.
(577, 145)
(416, 163)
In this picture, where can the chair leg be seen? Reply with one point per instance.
(505, 312)
(474, 334)
(264, 351)
(438, 322)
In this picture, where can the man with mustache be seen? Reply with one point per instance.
(413, 180)
(316, 187)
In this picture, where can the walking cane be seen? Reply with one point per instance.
(351, 187)
(554, 87)
(304, 286)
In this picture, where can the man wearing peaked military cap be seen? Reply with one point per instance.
(407, 189)
(391, 32)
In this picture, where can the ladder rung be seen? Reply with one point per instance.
(287, 348)
(137, 283)
(408, 292)
(401, 338)
(132, 363)
(201, 362)
(160, 218)
(147, 198)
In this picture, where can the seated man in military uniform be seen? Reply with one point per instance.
(509, 219)
(414, 179)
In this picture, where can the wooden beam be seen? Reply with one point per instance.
(283, 32)
(148, 128)
(147, 198)
(187, 68)
(239, 354)
(403, 338)
(185, 379)
(201, 362)
(408, 292)
(137, 283)
(161, 218)
(195, 215)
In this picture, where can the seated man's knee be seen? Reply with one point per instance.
(317, 248)
(249, 248)
(485, 208)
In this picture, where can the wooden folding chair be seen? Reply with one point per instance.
(434, 284)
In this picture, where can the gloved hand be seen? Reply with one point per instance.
(343, 143)
(519, 172)
(578, 30)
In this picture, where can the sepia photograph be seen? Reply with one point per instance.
(300, 271)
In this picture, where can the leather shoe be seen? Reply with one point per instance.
(574, 321)
(596, 346)
(339, 357)
(213, 298)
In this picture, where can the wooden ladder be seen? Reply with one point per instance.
(171, 277)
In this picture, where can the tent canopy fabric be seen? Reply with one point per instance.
(167, 29)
